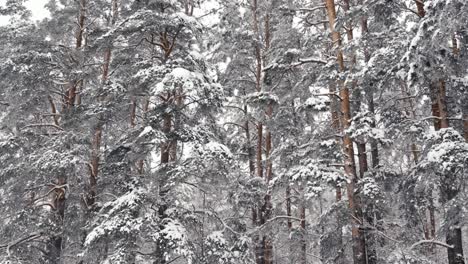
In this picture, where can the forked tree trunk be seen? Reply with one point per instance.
(59, 191)
(371, 216)
(260, 244)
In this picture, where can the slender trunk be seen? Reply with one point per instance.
(105, 66)
(178, 104)
(78, 89)
(166, 147)
(73, 96)
(442, 102)
(439, 111)
(81, 24)
(303, 234)
(59, 202)
(359, 247)
(140, 163)
(164, 159)
(133, 112)
(258, 50)
(336, 126)
(53, 110)
(268, 147)
(288, 205)
(465, 125)
(94, 169)
(250, 147)
(455, 49)
(267, 207)
(362, 159)
(259, 149)
(96, 142)
(259, 160)
(334, 110)
(373, 142)
(454, 237)
(435, 113)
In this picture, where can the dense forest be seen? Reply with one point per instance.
(234, 132)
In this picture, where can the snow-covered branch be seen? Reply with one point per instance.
(439, 243)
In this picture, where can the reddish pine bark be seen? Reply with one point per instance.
(359, 249)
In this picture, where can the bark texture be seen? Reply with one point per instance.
(359, 246)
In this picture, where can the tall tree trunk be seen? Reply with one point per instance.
(267, 207)
(165, 158)
(260, 244)
(96, 142)
(370, 214)
(73, 96)
(440, 113)
(435, 108)
(454, 235)
(336, 126)
(359, 247)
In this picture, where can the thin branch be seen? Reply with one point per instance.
(234, 124)
(43, 125)
(21, 240)
(211, 12)
(328, 94)
(313, 8)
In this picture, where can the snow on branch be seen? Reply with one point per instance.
(308, 60)
(312, 9)
(439, 243)
(299, 62)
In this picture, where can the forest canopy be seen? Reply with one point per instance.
(234, 132)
